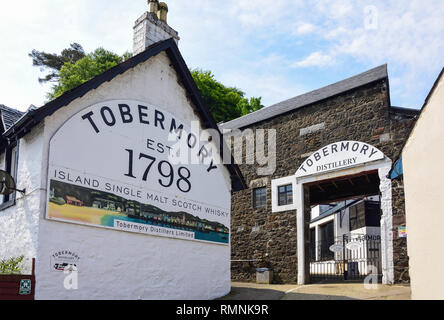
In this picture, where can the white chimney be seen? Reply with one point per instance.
(152, 27)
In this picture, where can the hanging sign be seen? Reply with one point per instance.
(338, 156)
(130, 166)
(354, 245)
(336, 248)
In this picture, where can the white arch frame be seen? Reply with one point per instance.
(383, 166)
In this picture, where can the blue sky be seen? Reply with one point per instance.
(273, 49)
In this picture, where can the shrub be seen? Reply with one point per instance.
(11, 266)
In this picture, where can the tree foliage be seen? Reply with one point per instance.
(74, 67)
(72, 75)
(225, 103)
(53, 62)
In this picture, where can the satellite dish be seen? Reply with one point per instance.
(7, 184)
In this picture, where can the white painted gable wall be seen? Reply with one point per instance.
(113, 265)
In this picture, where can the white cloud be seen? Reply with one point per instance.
(316, 59)
(407, 35)
(273, 88)
(258, 39)
(304, 28)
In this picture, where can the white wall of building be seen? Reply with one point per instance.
(423, 182)
(118, 265)
(112, 264)
(19, 223)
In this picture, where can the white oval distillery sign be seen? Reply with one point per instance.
(117, 165)
(339, 155)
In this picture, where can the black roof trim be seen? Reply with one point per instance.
(33, 117)
(48, 109)
(408, 111)
(435, 84)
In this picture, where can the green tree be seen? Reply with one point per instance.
(53, 62)
(72, 75)
(225, 103)
(73, 67)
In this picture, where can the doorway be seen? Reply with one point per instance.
(360, 208)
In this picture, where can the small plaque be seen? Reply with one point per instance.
(402, 232)
(25, 287)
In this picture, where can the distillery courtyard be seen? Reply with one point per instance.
(318, 291)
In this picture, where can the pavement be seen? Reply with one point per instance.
(321, 291)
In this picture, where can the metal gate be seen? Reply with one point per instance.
(349, 257)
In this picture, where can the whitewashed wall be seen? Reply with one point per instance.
(423, 181)
(117, 265)
(19, 223)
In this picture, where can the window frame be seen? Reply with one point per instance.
(287, 193)
(11, 164)
(254, 198)
(326, 230)
(275, 183)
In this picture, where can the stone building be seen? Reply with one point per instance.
(355, 112)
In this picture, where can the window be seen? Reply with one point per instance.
(282, 198)
(259, 197)
(312, 244)
(285, 195)
(327, 240)
(11, 157)
(357, 216)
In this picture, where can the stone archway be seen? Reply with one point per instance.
(342, 159)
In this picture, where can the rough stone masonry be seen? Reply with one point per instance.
(261, 238)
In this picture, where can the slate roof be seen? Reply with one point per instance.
(9, 116)
(329, 91)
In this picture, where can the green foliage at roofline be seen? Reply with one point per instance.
(72, 75)
(225, 103)
(73, 67)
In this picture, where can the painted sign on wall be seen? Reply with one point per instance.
(337, 156)
(117, 165)
(64, 259)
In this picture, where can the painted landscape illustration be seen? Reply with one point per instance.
(88, 206)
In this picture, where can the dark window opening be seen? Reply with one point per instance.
(365, 214)
(11, 160)
(285, 195)
(313, 244)
(327, 240)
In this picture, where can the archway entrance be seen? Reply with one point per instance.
(344, 214)
(345, 233)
